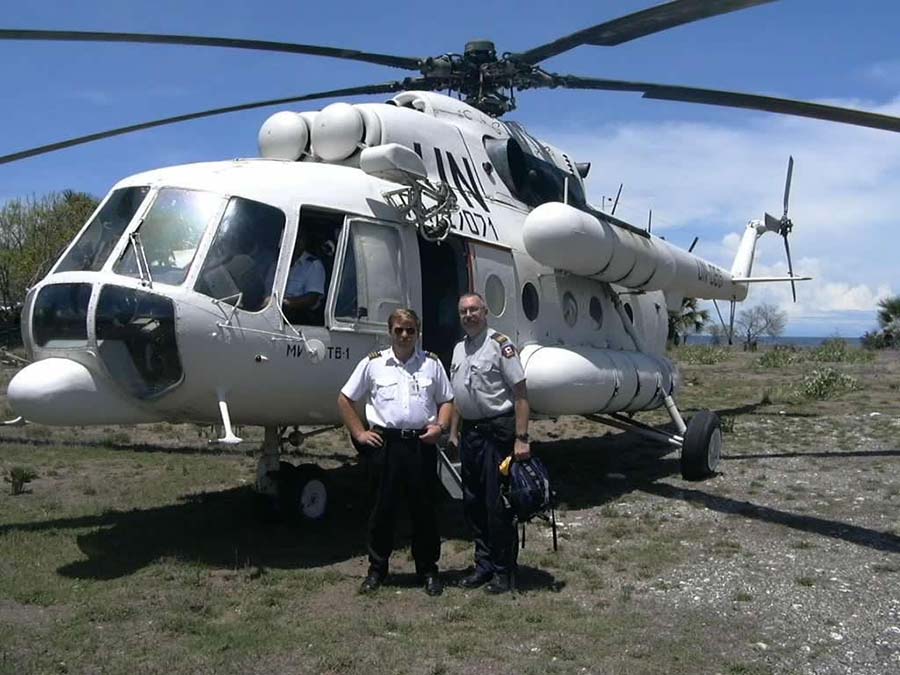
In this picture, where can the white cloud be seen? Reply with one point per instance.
(710, 179)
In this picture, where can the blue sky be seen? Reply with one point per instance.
(704, 171)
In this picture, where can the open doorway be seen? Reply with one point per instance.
(445, 276)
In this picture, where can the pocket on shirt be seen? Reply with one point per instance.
(423, 386)
(385, 390)
(484, 372)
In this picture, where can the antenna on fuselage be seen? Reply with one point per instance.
(616, 203)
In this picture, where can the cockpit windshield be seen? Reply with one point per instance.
(169, 235)
(98, 239)
(240, 266)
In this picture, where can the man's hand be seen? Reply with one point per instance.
(453, 439)
(431, 435)
(521, 451)
(369, 438)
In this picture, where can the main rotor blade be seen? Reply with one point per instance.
(787, 184)
(733, 99)
(80, 140)
(639, 24)
(195, 40)
(787, 250)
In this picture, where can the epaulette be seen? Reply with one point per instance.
(500, 338)
(374, 355)
(432, 355)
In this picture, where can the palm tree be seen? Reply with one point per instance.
(688, 320)
(889, 311)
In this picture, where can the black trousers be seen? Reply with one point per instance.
(483, 446)
(403, 470)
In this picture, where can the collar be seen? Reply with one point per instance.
(479, 339)
(392, 358)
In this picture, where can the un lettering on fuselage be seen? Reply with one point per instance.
(473, 218)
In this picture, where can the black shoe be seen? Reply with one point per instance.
(433, 584)
(475, 580)
(499, 584)
(371, 583)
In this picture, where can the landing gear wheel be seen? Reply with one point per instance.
(702, 447)
(303, 492)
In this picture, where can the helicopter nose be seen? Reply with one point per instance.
(63, 392)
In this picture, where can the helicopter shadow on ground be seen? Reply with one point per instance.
(592, 471)
(232, 528)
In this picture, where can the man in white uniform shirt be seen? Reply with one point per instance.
(408, 405)
(305, 289)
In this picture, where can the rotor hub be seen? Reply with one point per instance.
(480, 51)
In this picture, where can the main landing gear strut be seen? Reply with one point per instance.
(700, 440)
(298, 493)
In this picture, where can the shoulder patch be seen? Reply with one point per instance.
(500, 338)
(508, 350)
(432, 355)
(374, 355)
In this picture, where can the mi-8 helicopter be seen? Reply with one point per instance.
(171, 304)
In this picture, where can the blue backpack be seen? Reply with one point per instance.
(529, 494)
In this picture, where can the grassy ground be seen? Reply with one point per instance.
(139, 550)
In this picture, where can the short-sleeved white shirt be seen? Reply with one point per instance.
(306, 276)
(400, 395)
(484, 370)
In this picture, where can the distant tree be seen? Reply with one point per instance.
(33, 232)
(717, 334)
(686, 321)
(888, 335)
(753, 323)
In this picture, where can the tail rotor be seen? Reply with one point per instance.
(784, 225)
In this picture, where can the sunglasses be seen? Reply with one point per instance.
(400, 330)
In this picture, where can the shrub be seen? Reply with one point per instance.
(701, 355)
(826, 383)
(18, 477)
(836, 350)
(781, 356)
(880, 339)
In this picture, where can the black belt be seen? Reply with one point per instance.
(399, 434)
(484, 422)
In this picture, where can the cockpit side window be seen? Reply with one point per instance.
(169, 235)
(98, 239)
(312, 263)
(240, 266)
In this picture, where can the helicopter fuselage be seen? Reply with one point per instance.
(153, 312)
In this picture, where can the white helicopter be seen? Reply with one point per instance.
(170, 304)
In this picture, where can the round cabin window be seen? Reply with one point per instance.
(495, 295)
(595, 309)
(530, 301)
(569, 308)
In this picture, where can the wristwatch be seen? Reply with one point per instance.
(523, 437)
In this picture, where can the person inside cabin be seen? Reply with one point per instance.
(304, 294)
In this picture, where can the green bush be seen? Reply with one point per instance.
(18, 477)
(700, 355)
(826, 383)
(781, 356)
(836, 350)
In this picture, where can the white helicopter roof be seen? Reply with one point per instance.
(281, 183)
